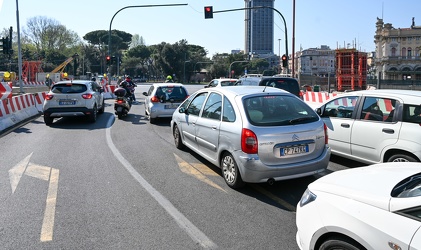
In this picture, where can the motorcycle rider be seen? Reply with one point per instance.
(126, 86)
(169, 79)
(131, 85)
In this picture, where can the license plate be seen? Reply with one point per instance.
(66, 102)
(295, 150)
(119, 109)
(171, 106)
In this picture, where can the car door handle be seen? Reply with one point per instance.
(213, 127)
(345, 125)
(388, 130)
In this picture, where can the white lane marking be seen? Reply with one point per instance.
(50, 207)
(196, 235)
(17, 171)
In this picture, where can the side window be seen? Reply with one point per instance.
(412, 113)
(341, 107)
(228, 111)
(196, 104)
(213, 106)
(374, 109)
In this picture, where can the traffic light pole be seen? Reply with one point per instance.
(134, 6)
(260, 7)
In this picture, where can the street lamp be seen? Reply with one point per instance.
(134, 6)
(184, 71)
(229, 70)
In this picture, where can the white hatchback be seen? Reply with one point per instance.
(374, 126)
(374, 207)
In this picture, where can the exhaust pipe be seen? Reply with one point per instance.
(271, 181)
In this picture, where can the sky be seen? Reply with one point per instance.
(334, 23)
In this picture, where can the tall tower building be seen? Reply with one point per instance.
(259, 27)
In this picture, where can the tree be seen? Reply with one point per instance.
(49, 34)
(136, 41)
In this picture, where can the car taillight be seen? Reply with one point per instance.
(87, 96)
(326, 134)
(49, 97)
(154, 99)
(248, 141)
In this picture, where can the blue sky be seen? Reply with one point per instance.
(323, 22)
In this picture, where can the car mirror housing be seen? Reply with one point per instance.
(145, 94)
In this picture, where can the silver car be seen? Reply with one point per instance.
(162, 99)
(253, 133)
(374, 126)
(73, 98)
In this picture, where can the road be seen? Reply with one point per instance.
(122, 184)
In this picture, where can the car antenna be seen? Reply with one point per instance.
(264, 88)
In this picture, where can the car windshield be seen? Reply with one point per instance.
(289, 85)
(228, 83)
(175, 93)
(278, 110)
(409, 187)
(68, 88)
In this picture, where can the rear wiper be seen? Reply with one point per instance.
(301, 119)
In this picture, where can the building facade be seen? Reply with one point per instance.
(259, 27)
(397, 55)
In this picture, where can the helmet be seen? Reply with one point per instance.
(93, 79)
(128, 78)
(169, 77)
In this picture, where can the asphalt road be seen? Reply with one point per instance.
(122, 184)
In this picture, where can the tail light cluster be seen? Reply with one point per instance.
(49, 97)
(154, 99)
(326, 134)
(249, 141)
(87, 96)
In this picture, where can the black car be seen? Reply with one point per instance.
(286, 83)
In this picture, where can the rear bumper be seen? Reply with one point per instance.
(254, 171)
(66, 112)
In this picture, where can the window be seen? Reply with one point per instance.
(409, 52)
(375, 109)
(196, 104)
(393, 51)
(213, 107)
(228, 113)
(403, 52)
(341, 107)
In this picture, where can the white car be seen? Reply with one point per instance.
(222, 82)
(162, 99)
(374, 126)
(374, 207)
(73, 98)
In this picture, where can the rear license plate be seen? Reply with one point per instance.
(295, 150)
(119, 109)
(66, 102)
(171, 106)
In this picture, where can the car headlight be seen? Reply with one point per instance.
(307, 197)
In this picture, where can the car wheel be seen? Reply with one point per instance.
(101, 111)
(402, 158)
(48, 120)
(341, 243)
(92, 116)
(177, 138)
(230, 171)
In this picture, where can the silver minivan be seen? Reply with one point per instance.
(254, 134)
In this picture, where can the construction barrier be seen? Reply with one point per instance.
(19, 108)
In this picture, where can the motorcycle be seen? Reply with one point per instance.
(122, 103)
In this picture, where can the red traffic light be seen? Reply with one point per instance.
(208, 12)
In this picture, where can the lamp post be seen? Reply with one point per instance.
(229, 70)
(134, 6)
(184, 71)
(19, 48)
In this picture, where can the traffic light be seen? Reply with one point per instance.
(5, 45)
(284, 61)
(108, 59)
(208, 12)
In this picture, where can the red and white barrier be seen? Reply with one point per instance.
(16, 109)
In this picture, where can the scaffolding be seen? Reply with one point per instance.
(351, 70)
(30, 70)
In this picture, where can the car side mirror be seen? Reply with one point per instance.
(145, 94)
(183, 110)
(207, 86)
(319, 111)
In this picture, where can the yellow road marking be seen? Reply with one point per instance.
(50, 207)
(187, 168)
(274, 197)
(38, 171)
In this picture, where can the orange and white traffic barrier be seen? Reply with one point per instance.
(6, 90)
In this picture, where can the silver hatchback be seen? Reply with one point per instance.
(254, 134)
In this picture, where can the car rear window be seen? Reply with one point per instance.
(69, 88)
(277, 110)
(176, 93)
(228, 83)
(289, 84)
